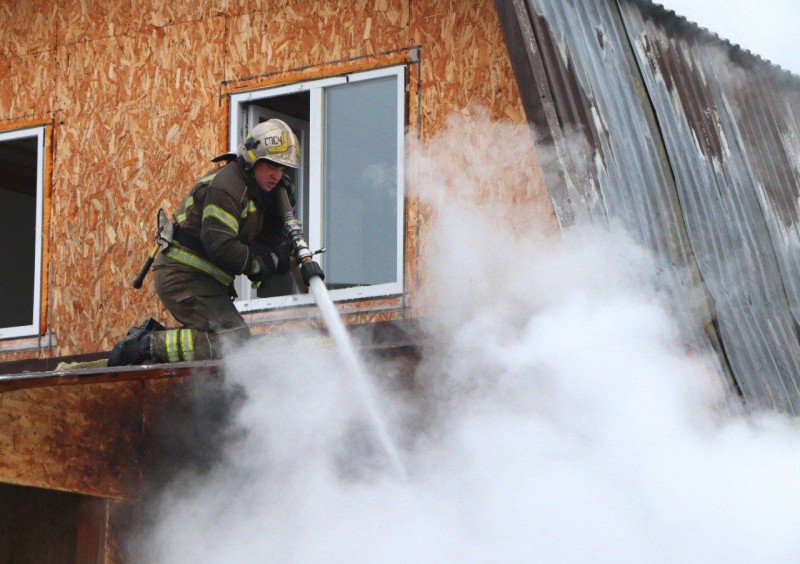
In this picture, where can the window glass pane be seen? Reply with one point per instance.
(18, 162)
(360, 183)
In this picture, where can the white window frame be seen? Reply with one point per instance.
(316, 190)
(33, 328)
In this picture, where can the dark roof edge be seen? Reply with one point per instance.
(379, 336)
(674, 22)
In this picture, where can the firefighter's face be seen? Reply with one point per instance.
(267, 174)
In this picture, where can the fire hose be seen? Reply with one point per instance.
(293, 230)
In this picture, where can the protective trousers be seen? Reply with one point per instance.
(205, 309)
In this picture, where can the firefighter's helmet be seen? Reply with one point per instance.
(272, 140)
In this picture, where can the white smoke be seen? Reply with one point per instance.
(557, 415)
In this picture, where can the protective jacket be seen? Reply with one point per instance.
(221, 224)
(219, 221)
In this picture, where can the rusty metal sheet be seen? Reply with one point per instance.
(699, 161)
(729, 125)
(600, 124)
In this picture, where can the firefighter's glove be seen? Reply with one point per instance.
(280, 256)
(283, 255)
(264, 266)
(309, 270)
(268, 262)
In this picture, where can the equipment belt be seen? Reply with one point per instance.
(189, 241)
(189, 258)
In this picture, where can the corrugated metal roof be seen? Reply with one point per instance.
(674, 22)
(692, 145)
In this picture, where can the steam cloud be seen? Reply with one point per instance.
(557, 414)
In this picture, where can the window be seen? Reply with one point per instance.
(349, 185)
(21, 171)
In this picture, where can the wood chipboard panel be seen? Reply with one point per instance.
(77, 438)
(112, 434)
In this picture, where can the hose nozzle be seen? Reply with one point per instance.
(294, 231)
(292, 228)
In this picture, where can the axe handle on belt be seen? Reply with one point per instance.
(137, 282)
(164, 232)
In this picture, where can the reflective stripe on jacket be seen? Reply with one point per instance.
(187, 257)
(216, 212)
(227, 212)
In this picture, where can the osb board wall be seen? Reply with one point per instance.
(82, 439)
(112, 437)
(134, 93)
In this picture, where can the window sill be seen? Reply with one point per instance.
(346, 309)
(24, 344)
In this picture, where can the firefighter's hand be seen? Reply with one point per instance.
(266, 266)
(256, 274)
(282, 256)
(309, 270)
(269, 262)
(279, 255)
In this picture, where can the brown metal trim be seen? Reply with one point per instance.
(106, 375)
(403, 335)
(523, 51)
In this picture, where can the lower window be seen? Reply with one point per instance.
(21, 171)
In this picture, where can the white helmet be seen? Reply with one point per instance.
(274, 141)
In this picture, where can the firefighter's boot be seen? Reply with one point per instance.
(135, 348)
(148, 326)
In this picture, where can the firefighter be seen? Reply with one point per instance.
(227, 225)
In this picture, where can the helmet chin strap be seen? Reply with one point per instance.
(246, 165)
